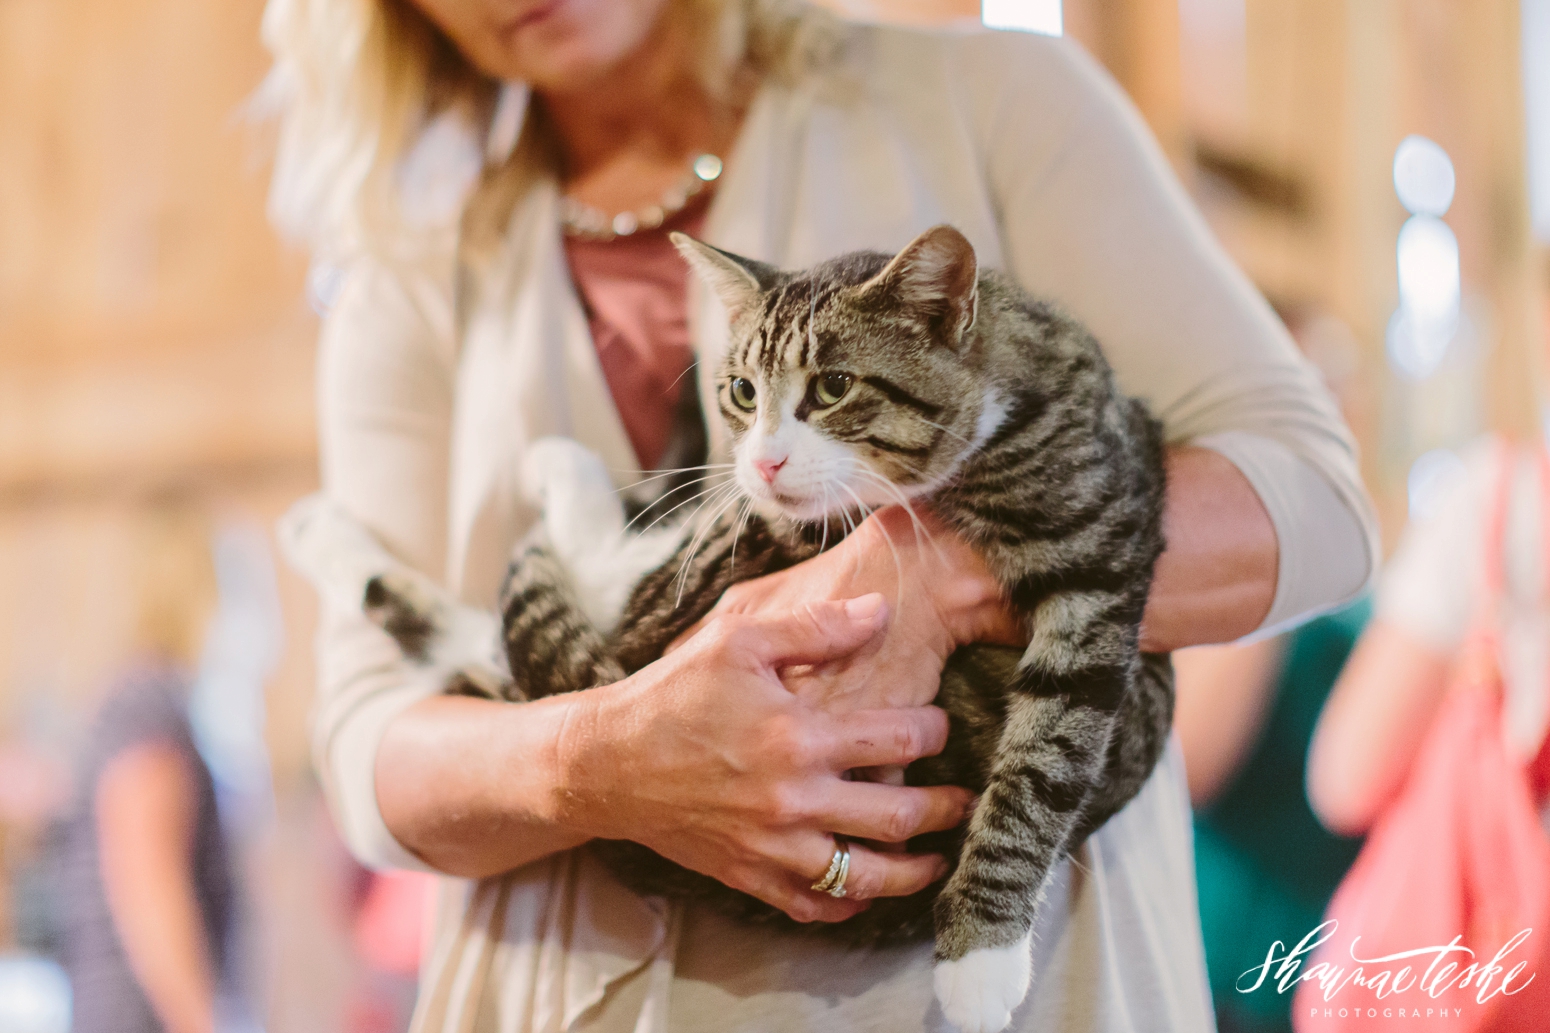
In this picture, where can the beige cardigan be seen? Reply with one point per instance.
(435, 374)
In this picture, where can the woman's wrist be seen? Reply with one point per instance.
(584, 759)
(473, 787)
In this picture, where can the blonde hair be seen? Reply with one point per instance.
(356, 82)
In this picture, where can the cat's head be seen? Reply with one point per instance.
(851, 385)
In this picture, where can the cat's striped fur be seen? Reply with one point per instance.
(956, 389)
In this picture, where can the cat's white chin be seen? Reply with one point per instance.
(772, 505)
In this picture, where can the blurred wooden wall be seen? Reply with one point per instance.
(151, 327)
(1296, 177)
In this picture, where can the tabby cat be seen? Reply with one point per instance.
(863, 382)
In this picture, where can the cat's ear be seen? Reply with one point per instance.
(737, 281)
(937, 276)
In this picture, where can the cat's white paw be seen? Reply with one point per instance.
(581, 508)
(331, 549)
(979, 991)
(564, 471)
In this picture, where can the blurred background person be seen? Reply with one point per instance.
(145, 876)
(1429, 599)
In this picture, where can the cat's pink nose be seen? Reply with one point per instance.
(768, 468)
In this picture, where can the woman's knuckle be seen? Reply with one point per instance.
(787, 806)
(803, 746)
(792, 742)
(720, 632)
(901, 821)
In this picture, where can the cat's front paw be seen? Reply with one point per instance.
(558, 469)
(979, 991)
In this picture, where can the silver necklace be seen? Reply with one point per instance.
(582, 220)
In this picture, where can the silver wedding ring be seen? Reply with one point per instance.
(833, 881)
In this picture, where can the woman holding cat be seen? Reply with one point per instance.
(495, 179)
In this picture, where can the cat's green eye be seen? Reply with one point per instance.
(831, 387)
(743, 395)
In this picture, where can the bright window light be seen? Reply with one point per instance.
(1027, 15)
(34, 996)
(1428, 256)
(1423, 177)
(1417, 346)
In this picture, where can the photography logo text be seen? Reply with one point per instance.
(1409, 983)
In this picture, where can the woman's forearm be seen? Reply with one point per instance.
(1217, 578)
(473, 786)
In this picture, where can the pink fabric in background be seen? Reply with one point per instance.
(1460, 853)
(634, 290)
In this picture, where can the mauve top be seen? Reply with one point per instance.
(635, 293)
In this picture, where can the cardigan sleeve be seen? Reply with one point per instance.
(385, 405)
(1093, 218)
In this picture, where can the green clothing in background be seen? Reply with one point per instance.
(1265, 866)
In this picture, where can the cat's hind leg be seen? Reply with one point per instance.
(352, 571)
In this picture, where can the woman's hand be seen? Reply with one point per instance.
(709, 759)
(940, 590)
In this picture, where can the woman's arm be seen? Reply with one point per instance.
(1216, 579)
(1372, 726)
(1092, 218)
(384, 428)
(144, 803)
(748, 793)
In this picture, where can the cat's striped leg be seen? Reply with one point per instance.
(1051, 756)
(1141, 730)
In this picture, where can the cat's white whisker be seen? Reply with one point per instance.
(708, 491)
(742, 521)
(682, 577)
(904, 502)
(657, 475)
(687, 370)
(945, 430)
(715, 472)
